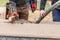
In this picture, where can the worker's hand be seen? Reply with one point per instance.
(14, 14)
(42, 12)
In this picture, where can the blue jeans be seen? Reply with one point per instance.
(56, 15)
(36, 2)
(29, 3)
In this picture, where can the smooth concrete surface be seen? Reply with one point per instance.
(45, 30)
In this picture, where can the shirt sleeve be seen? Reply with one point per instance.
(12, 0)
(42, 4)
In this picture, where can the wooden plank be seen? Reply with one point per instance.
(46, 30)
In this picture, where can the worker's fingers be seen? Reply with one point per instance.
(15, 13)
(42, 13)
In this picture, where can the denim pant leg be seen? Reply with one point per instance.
(56, 15)
(29, 4)
(36, 3)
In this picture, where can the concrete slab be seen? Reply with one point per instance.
(45, 30)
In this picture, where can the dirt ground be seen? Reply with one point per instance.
(34, 16)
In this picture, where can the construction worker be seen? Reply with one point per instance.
(13, 11)
(55, 12)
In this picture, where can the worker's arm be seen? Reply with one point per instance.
(42, 4)
(12, 0)
(42, 7)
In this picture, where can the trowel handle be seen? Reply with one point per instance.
(48, 11)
